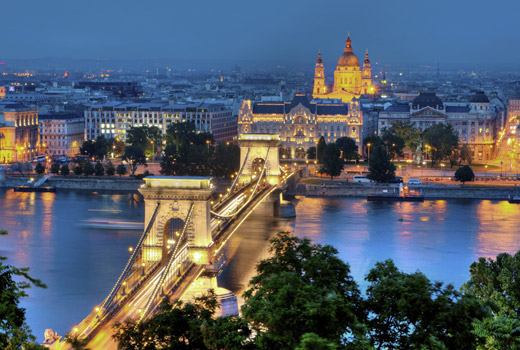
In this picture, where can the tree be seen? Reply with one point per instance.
(407, 132)
(225, 160)
(311, 153)
(147, 138)
(394, 144)
(40, 169)
(65, 170)
(99, 147)
(320, 149)
(88, 169)
(55, 168)
(135, 157)
(169, 163)
(78, 170)
(466, 154)
(408, 311)
(118, 147)
(14, 332)
(370, 142)
(121, 170)
(440, 141)
(303, 288)
(110, 169)
(175, 326)
(496, 284)
(464, 174)
(348, 148)
(99, 170)
(380, 168)
(332, 164)
(16, 167)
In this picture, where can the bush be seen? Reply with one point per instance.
(88, 169)
(99, 170)
(464, 174)
(65, 170)
(121, 170)
(110, 169)
(55, 168)
(40, 169)
(78, 170)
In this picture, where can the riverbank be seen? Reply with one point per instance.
(94, 183)
(430, 191)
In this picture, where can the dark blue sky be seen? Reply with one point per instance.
(394, 31)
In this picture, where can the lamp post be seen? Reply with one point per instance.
(153, 150)
(368, 145)
(485, 177)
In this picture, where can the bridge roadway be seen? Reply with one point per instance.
(102, 335)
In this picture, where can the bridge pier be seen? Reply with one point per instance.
(275, 206)
(227, 299)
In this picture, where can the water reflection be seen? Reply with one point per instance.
(498, 228)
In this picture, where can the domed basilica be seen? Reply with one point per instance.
(350, 80)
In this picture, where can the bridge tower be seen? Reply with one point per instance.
(255, 150)
(174, 197)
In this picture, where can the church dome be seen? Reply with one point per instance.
(348, 59)
(427, 99)
(479, 97)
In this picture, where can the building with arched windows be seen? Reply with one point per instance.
(19, 134)
(301, 122)
(350, 80)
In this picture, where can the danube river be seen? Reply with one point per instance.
(80, 264)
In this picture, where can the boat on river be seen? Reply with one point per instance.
(404, 194)
(112, 224)
(514, 198)
(26, 188)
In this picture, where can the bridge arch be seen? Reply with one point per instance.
(171, 231)
(256, 147)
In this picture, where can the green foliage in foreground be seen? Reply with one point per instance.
(14, 332)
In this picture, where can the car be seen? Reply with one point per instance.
(414, 181)
(361, 178)
(396, 180)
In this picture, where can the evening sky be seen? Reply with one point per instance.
(394, 31)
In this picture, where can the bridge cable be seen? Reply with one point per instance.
(169, 264)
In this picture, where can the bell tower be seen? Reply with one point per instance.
(319, 78)
(367, 76)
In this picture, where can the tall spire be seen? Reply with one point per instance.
(319, 61)
(366, 62)
(348, 44)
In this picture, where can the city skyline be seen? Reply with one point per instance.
(403, 32)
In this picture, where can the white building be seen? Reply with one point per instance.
(474, 121)
(61, 134)
(114, 119)
(300, 122)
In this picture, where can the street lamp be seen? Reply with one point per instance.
(369, 144)
(153, 151)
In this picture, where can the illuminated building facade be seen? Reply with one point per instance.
(61, 134)
(19, 136)
(300, 122)
(474, 121)
(350, 80)
(2, 92)
(114, 119)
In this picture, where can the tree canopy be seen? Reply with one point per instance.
(302, 288)
(332, 164)
(380, 168)
(134, 156)
(408, 311)
(348, 148)
(14, 332)
(147, 138)
(440, 141)
(320, 148)
(464, 173)
(406, 131)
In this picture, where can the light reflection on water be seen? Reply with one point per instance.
(80, 265)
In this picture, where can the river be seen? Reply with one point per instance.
(80, 265)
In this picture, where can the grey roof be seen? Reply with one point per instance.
(398, 108)
(285, 107)
(457, 109)
(427, 99)
(479, 97)
(60, 116)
